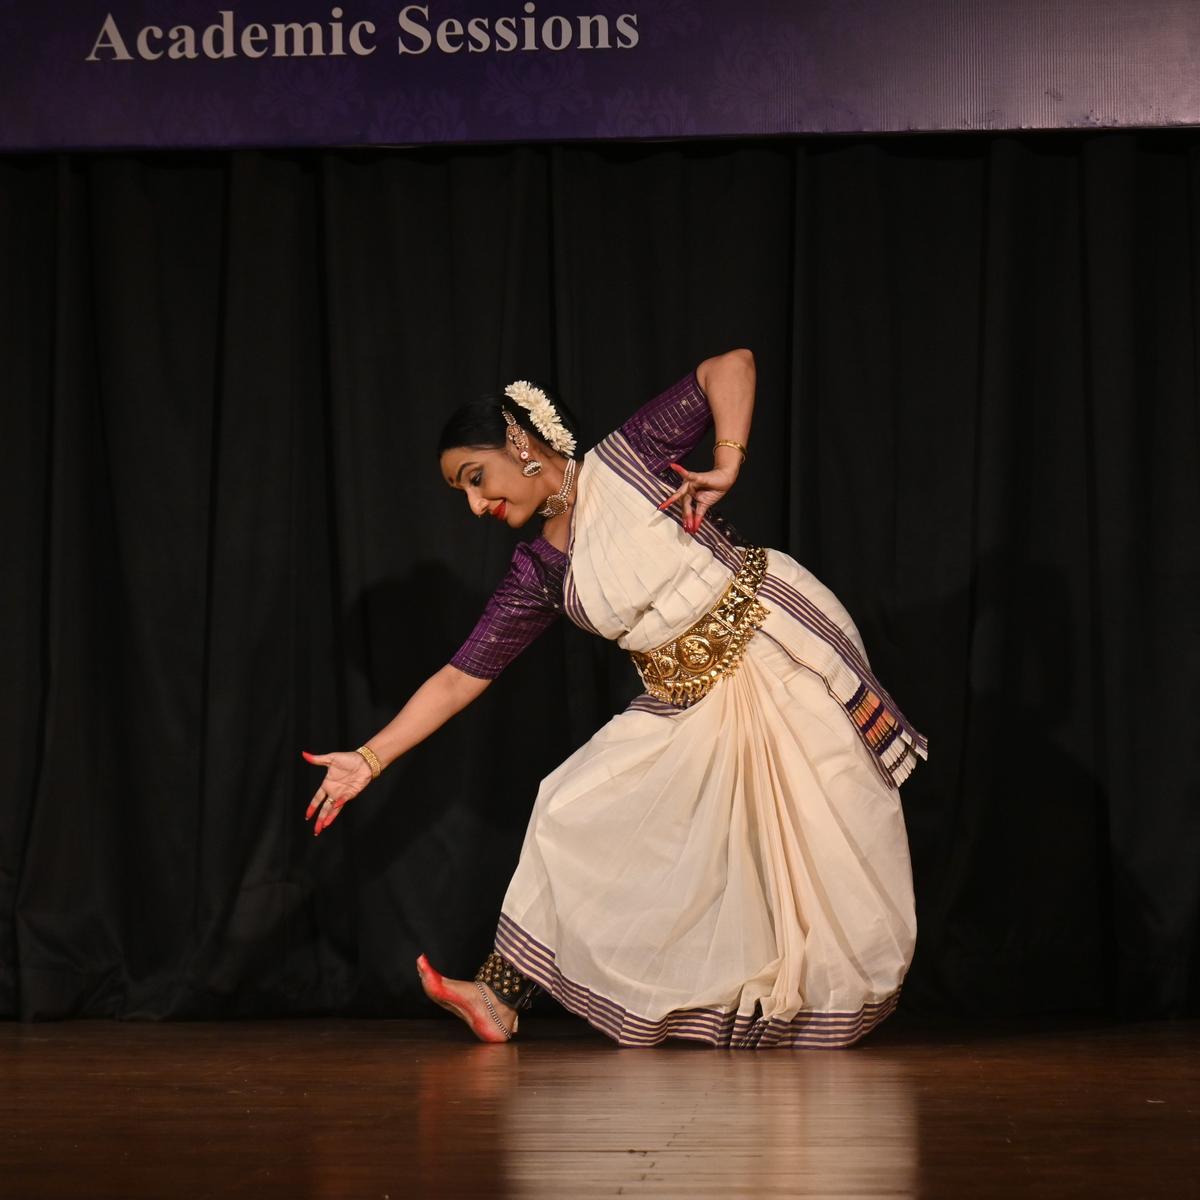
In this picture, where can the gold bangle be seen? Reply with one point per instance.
(372, 761)
(736, 445)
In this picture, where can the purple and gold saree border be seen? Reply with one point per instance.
(812, 1030)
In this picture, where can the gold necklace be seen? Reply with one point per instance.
(556, 505)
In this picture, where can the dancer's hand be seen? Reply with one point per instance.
(699, 491)
(346, 775)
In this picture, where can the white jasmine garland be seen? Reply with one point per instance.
(545, 420)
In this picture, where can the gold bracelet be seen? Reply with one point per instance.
(371, 760)
(736, 445)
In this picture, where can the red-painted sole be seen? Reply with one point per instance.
(435, 988)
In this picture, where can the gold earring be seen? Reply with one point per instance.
(520, 442)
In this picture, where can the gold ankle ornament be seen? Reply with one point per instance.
(511, 986)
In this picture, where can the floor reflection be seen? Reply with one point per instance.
(331, 1110)
(578, 1117)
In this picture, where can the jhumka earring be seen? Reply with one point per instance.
(520, 441)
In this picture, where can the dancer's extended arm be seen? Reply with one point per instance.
(443, 694)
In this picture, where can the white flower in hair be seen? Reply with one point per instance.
(541, 412)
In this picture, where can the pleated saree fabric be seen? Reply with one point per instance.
(736, 871)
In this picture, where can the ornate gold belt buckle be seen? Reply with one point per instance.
(684, 670)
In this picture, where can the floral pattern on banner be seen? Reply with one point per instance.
(312, 96)
(668, 22)
(758, 67)
(435, 116)
(536, 92)
(112, 112)
(644, 113)
(215, 116)
(57, 75)
(754, 66)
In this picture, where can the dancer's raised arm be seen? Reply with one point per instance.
(728, 381)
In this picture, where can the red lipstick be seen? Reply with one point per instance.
(500, 509)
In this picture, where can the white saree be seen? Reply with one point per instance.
(737, 871)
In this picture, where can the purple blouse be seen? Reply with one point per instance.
(669, 426)
(530, 595)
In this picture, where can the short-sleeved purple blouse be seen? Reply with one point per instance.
(530, 596)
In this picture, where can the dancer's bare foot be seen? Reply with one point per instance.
(463, 999)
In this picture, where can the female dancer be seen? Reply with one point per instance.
(725, 860)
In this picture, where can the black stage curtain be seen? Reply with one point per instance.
(226, 538)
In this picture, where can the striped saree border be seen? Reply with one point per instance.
(573, 609)
(728, 1030)
(648, 704)
(895, 745)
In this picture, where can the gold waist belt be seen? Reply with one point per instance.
(684, 670)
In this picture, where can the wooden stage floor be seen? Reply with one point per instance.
(391, 1109)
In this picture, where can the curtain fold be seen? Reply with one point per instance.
(223, 379)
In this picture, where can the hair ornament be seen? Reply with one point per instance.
(545, 420)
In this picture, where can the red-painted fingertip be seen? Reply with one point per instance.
(677, 467)
(304, 754)
(664, 504)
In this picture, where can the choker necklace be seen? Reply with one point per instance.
(556, 505)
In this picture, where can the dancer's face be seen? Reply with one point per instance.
(493, 484)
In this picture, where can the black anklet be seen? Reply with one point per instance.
(511, 986)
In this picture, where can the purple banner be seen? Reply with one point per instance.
(79, 74)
